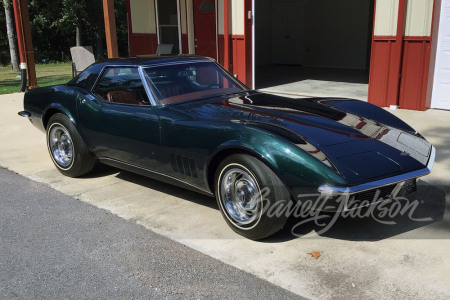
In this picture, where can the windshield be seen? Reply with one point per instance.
(183, 82)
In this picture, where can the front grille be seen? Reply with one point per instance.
(375, 194)
(409, 187)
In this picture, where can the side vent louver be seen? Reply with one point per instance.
(193, 168)
(173, 161)
(183, 165)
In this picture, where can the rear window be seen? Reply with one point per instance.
(87, 78)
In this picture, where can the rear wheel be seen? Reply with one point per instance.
(67, 149)
(250, 196)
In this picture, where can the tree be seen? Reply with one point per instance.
(95, 27)
(55, 23)
(78, 9)
(11, 37)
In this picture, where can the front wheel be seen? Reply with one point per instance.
(250, 196)
(67, 149)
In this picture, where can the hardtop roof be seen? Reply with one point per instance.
(153, 59)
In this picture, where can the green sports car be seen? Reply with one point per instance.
(185, 120)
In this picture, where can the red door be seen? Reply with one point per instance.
(205, 28)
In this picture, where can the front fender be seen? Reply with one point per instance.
(297, 169)
(369, 111)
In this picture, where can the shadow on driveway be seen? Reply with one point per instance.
(160, 186)
(423, 220)
(426, 221)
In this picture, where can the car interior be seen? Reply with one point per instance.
(168, 84)
(122, 85)
(127, 97)
(178, 83)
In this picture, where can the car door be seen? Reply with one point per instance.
(117, 120)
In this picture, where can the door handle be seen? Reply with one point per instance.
(83, 101)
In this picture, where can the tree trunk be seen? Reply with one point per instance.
(11, 38)
(78, 33)
(100, 34)
(78, 24)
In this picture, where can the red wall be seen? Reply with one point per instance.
(240, 52)
(399, 69)
(238, 62)
(144, 44)
(414, 81)
(248, 51)
(384, 71)
(184, 44)
(140, 43)
(221, 45)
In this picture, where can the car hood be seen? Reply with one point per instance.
(361, 140)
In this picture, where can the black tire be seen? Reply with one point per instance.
(67, 149)
(249, 176)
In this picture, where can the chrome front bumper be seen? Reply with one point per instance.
(327, 191)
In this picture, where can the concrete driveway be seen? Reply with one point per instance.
(360, 258)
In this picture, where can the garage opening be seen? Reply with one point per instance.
(313, 47)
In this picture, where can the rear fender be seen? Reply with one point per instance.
(56, 108)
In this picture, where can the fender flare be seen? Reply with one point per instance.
(55, 108)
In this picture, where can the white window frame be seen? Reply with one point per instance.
(180, 47)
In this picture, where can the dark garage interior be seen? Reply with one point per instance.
(326, 40)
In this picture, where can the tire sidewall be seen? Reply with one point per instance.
(82, 159)
(219, 198)
(266, 224)
(74, 151)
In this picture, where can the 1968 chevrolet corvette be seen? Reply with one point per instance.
(185, 120)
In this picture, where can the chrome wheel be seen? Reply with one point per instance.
(246, 189)
(240, 196)
(60, 144)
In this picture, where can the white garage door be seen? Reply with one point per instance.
(441, 84)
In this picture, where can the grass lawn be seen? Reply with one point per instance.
(47, 74)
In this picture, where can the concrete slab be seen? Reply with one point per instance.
(320, 88)
(360, 258)
(312, 82)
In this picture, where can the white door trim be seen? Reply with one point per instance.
(440, 97)
(253, 45)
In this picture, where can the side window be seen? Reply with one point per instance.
(121, 85)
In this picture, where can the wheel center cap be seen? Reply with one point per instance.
(240, 196)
